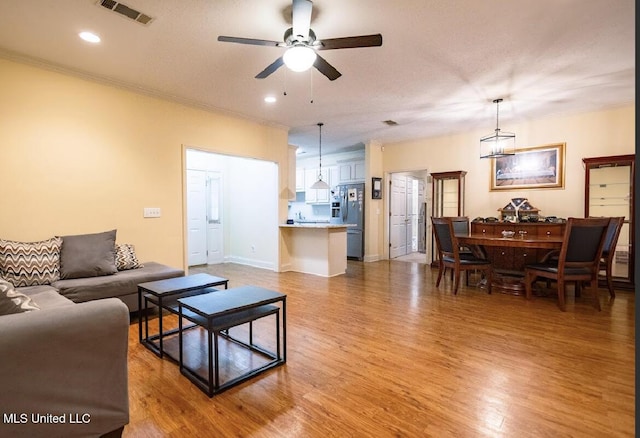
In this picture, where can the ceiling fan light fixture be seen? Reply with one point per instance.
(299, 58)
(498, 144)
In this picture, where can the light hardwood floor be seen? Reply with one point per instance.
(380, 352)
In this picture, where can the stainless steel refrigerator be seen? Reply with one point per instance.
(351, 198)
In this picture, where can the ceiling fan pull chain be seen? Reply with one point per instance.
(311, 85)
(284, 84)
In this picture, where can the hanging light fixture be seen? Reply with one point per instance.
(320, 184)
(499, 144)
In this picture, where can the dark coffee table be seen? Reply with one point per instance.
(217, 313)
(163, 294)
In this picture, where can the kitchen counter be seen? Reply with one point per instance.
(316, 248)
(315, 225)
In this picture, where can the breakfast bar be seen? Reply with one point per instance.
(316, 248)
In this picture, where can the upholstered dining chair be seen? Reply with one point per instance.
(578, 260)
(450, 256)
(609, 250)
(461, 226)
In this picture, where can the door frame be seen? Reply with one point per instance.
(420, 173)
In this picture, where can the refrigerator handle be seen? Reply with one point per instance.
(345, 206)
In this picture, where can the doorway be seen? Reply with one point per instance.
(231, 210)
(204, 220)
(407, 216)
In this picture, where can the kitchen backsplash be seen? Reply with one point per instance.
(309, 212)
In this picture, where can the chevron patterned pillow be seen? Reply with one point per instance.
(126, 257)
(12, 301)
(30, 263)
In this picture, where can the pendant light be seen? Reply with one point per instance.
(499, 144)
(320, 184)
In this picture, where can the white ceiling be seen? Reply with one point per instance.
(441, 64)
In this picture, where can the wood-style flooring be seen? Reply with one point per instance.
(380, 352)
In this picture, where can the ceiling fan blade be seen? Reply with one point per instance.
(326, 69)
(275, 65)
(251, 41)
(301, 18)
(351, 42)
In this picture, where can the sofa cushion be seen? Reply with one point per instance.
(46, 297)
(117, 285)
(13, 301)
(88, 255)
(126, 257)
(30, 263)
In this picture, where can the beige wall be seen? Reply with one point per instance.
(374, 208)
(79, 157)
(594, 134)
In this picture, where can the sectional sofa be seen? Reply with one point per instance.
(64, 327)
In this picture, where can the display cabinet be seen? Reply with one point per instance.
(448, 193)
(447, 198)
(609, 191)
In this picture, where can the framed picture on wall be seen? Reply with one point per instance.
(376, 188)
(530, 168)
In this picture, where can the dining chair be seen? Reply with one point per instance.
(461, 226)
(578, 260)
(609, 250)
(450, 255)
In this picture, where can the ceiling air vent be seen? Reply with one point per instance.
(125, 11)
(390, 123)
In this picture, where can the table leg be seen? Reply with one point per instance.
(139, 315)
(146, 320)
(213, 362)
(180, 336)
(160, 325)
(284, 329)
(278, 335)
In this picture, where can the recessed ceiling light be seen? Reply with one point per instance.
(89, 37)
(270, 99)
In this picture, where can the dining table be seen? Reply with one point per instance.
(510, 281)
(517, 241)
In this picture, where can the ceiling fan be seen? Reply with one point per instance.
(302, 45)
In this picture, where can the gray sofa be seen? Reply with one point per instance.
(64, 341)
(66, 362)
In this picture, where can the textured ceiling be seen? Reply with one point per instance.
(439, 68)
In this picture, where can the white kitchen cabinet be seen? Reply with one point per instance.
(292, 173)
(300, 178)
(359, 171)
(344, 171)
(334, 177)
(351, 172)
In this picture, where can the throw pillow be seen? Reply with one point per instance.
(126, 257)
(88, 255)
(12, 301)
(30, 263)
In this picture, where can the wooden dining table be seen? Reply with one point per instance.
(510, 281)
(517, 241)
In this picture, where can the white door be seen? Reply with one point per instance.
(410, 216)
(196, 217)
(398, 217)
(215, 252)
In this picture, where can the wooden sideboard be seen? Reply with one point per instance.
(512, 260)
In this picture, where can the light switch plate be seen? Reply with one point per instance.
(151, 212)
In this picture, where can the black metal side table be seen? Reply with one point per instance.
(164, 294)
(217, 313)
